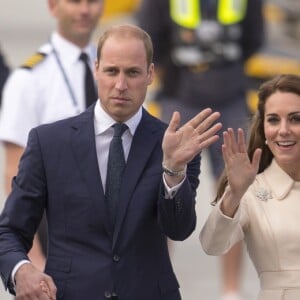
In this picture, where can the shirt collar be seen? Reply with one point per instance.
(69, 51)
(103, 121)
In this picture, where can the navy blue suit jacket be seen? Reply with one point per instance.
(59, 172)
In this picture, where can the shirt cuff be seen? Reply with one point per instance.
(16, 268)
(170, 192)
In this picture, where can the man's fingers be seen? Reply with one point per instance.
(206, 143)
(52, 288)
(49, 288)
(201, 122)
(210, 132)
(45, 288)
(174, 122)
(204, 120)
(207, 122)
(198, 119)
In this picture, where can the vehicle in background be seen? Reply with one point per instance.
(281, 51)
(118, 8)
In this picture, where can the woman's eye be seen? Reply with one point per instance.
(272, 120)
(295, 119)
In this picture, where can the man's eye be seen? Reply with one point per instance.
(110, 71)
(133, 72)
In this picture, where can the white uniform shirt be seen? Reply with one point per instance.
(40, 94)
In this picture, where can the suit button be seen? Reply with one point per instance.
(114, 296)
(116, 258)
(107, 295)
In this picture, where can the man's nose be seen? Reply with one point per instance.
(84, 6)
(121, 83)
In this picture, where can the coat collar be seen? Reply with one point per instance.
(276, 181)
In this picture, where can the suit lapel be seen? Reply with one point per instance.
(84, 148)
(144, 141)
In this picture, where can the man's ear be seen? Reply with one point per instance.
(150, 73)
(96, 68)
(51, 6)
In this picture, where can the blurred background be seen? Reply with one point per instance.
(25, 25)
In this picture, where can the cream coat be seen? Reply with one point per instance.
(268, 219)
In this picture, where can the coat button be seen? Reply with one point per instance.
(116, 258)
(107, 295)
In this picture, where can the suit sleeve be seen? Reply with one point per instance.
(23, 209)
(177, 216)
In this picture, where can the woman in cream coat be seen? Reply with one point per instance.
(258, 198)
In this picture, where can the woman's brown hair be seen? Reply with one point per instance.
(283, 83)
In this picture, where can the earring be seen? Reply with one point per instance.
(266, 142)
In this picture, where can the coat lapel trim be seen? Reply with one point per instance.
(144, 141)
(84, 148)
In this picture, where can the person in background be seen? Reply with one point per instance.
(4, 72)
(49, 86)
(107, 236)
(258, 196)
(200, 51)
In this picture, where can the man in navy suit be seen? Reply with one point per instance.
(63, 171)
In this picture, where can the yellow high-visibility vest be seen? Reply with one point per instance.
(187, 13)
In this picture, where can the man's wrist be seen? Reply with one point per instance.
(174, 173)
(16, 268)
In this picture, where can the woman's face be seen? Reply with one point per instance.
(282, 130)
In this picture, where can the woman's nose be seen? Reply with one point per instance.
(284, 128)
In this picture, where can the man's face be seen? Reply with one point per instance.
(76, 18)
(123, 76)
